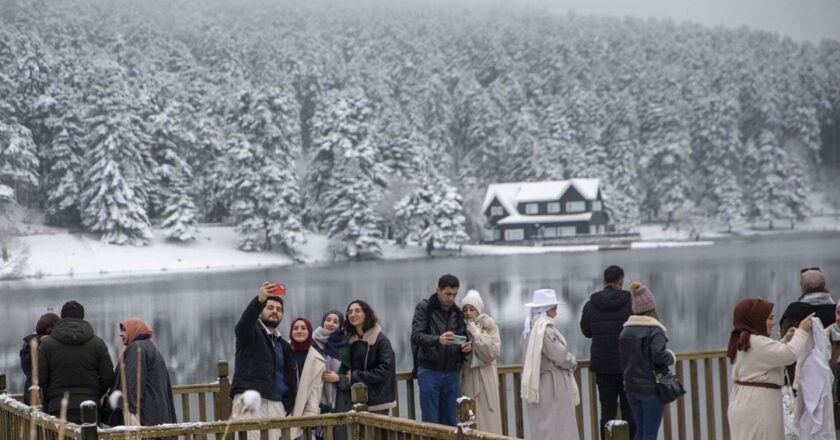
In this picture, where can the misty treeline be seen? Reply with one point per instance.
(370, 121)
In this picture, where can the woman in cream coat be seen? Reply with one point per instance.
(755, 403)
(310, 371)
(548, 383)
(479, 377)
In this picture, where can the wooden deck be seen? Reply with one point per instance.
(205, 408)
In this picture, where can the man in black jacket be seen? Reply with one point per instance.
(438, 336)
(603, 319)
(73, 359)
(264, 360)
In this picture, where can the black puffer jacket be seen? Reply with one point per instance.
(430, 321)
(372, 363)
(643, 352)
(255, 362)
(602, 320)
(73, 359)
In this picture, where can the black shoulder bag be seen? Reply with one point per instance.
(668, 387)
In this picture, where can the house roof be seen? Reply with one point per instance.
(545, 219)
(511, 194)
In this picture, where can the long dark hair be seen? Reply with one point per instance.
(370, 317)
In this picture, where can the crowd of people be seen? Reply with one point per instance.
(789, 381)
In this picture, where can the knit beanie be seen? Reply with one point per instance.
(473, 298)
(812, 281)
(72, 309)
(46, 323)
(642, 300)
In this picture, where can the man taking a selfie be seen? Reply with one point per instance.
(264, 360)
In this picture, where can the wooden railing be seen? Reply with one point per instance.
(701, 414)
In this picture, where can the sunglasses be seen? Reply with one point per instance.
(801, 271)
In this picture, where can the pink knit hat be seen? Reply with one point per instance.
(642, 300)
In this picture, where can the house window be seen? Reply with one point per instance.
(497, 211)
(601, 229)
(575, 206)
(514, 234)
(596, 205)
(497, 234)
(565, 231)
(532, 208)
(554, 208)
(550, 232)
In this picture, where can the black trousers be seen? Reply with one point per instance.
(610, 392)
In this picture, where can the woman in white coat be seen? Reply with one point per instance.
(755, 403)
(310, 367)
(548, 382)
(479, 377)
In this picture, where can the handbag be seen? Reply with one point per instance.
(668, 387)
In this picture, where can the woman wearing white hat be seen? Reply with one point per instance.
(479, 377)
(548, 383)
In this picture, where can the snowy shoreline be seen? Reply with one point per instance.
(64, 256)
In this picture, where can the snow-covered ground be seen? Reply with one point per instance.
(54, 253)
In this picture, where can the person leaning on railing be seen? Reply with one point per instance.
(755, 403)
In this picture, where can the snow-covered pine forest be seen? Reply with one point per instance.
(368, 122)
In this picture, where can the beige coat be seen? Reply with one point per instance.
(755, 413)
(479, 377)
(310, 386)
(554, 416)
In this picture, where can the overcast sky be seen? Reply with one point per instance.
(801, 19)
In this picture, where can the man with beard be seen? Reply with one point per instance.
(264, 360)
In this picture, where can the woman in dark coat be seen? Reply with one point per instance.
(156, 405)
(372, 359)
(42, 328)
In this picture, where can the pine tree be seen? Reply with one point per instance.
(18, 159)
(349, 216)
(776, 186)
(260, 182)
(665, 161)
(172, 174)
(621, 192)
(343, 128)
(115, 165)
(432, 212)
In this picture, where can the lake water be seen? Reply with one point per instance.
(193, 315)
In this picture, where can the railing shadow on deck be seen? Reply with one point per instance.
(701, 414)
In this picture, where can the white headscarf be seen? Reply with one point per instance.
(533, 314)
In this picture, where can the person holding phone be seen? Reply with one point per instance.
(264, 360)
(440, 346)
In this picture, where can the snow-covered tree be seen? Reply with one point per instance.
(18, 158)
(350, 219)
(432, 212)
(666, 149)
(116, 175)
(621, 191)
(261, 183)
(776, 186)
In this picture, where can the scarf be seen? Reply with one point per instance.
(834, 333)
(533, 356)
(750, 318)
(817, 298)
(301, 346)
(533, 314)
(135, 327)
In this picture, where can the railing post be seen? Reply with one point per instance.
(617, 430)
(359, 397)
(465, 413)
(89, 429)
(222, 402)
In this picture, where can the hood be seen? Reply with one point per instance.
(72, 331)
(610, 299)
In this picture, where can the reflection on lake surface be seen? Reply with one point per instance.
(193, 315)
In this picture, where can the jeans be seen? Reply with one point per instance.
(439, 392)
(647, 410)
(610, 390)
